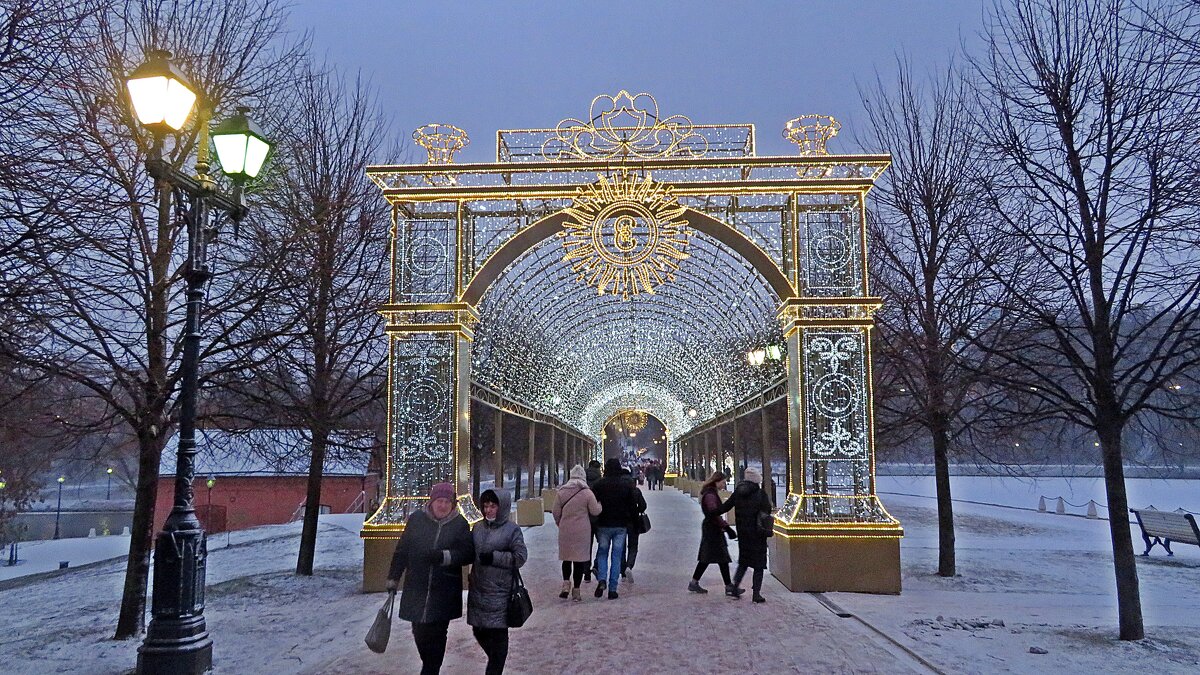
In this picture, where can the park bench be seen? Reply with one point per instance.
(1166, 527)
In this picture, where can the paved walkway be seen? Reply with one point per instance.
(655, 626)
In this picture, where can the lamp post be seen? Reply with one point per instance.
(208, 509)
(177, 639)
(58, 511)
(108, 493)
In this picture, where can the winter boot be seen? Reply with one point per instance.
(575, 597)
(733, 591)
(600, 588)
(566, 590)
(759, 599)
(612, 595)
(695, 587)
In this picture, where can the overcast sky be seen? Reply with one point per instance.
(505, 64)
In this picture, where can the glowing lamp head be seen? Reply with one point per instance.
(775, 352)
(108, 471)
(211, 482)
(241, 146)
(161, 96)
(692, 412)
(756, 357)
(3, 484)
(62, 479)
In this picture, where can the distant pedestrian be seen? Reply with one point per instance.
(618, 502)
(713, 530)
(573, 513)
(430, 555)
(499, 552)
(749, 501)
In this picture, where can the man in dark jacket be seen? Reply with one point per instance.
(593, 473)
(430, 556)
(618, 507)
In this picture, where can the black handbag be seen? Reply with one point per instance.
(643, 523)
(766, 523)
(520, 606)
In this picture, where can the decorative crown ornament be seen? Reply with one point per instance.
(626, 235)
(440, 141)
(811, 132)
(624, 126)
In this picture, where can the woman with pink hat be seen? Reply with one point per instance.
(430, 556)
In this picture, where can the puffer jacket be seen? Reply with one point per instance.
(430, 556)
(749, 500)
(490, 585)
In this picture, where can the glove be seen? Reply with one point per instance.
(729, 531)
(436, 557)
(392, 585)
(486, 558)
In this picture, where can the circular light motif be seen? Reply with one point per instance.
(422, 400)
(836, 395)
(625, 236)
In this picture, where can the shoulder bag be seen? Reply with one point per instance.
(520, 606)
(643, 521)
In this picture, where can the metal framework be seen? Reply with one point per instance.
(484, 292)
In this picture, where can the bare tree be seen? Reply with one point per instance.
(327, 370)
(111, 321)
(1091, 125)
(931, 242)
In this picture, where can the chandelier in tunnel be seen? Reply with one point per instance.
(634, 420)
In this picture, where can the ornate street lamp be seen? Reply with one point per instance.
(108, 493)
(58, 511)
(177, 639)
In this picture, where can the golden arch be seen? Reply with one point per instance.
(534, 234)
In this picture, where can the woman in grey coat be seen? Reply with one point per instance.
(499, 552)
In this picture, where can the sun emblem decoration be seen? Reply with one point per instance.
(625, 235)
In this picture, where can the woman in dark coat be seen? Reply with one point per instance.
(499, 552)
(748, 501)
(713, 530)
(430, 556)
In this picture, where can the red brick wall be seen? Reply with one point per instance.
(250, 501)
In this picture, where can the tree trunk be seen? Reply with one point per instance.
(132, 618)
(941, 463)
(1129, 601)
(312, 504)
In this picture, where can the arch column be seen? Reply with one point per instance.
(833, 534)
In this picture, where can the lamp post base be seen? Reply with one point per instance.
(181, 646)
(177, 639)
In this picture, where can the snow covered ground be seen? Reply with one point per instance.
(1027, 580)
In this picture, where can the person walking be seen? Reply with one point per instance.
(499, 552)
(749, 501)
(618, 504)
(713, 530)
(633, 532)
(573, 512)
(430, 555)
(594, 474)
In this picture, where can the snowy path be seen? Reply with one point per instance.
(656, 626)
(1047, 578)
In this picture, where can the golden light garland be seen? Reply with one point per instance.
(626, 235)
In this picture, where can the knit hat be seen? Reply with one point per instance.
(441, 491)
(753, 475)
(579, 472)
